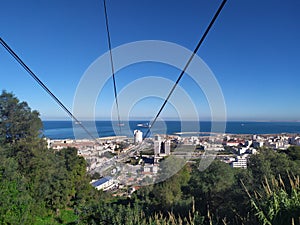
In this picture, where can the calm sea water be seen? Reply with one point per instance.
(65, 129)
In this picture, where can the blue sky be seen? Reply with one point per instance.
(253, 50)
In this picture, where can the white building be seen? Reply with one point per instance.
(48, 143)
(157, 144)
(138, 136)
(161, 148)
(104, 183)
(242, 150)
(232, 143)
(166, 147)
(157, 138)
(297, 141)
(240, 162)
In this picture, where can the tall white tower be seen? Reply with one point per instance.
(157, 145)
(138, 136)
(167, 147)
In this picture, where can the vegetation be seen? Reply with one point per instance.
(36, 183)
(43, 186)
(279, 204)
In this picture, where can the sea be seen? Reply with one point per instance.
(70, 130)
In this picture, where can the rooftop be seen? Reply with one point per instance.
(101, 181)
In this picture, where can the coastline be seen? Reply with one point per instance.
(64, 129)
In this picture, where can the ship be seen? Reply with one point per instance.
(143, 125)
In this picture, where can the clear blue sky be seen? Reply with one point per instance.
(253, 50)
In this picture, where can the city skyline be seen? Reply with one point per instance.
(253, 51)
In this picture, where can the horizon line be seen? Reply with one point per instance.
(172, 119)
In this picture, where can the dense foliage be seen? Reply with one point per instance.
(43, 186)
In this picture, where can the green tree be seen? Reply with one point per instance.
(269, 164)
(17, 120)
(293, 153)
(16, 204)
(210, 189)
(168, 195)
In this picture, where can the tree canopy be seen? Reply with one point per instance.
(17, 120)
